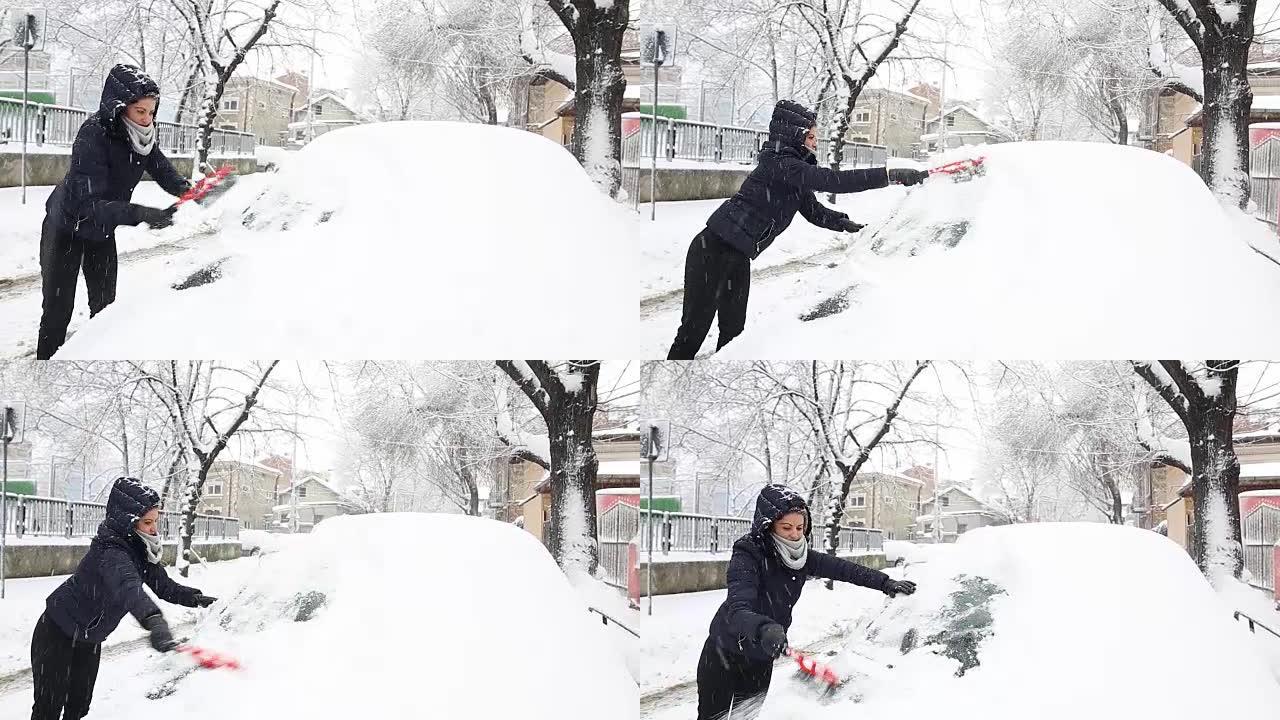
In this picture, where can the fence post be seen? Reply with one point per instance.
(666, 533)
(715, 535)
(20, 524)
(42, 117)
(671, 139)
(70, 519)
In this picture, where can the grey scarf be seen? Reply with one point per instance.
(141, 138)
(793, 554)
(154, 546)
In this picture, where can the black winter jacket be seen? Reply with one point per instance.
(108, 582)
(783, 182)
(94, 197)
(762, 589)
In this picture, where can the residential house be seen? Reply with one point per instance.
(887, 501)
(317, 500)
(1157, 488)
(243, 490)
(1259, 454)
(325, 113)
(550, 105)
(893, 119)
(300, 81)
(959, 510)
(259, 106)
(961, 125)
(520, 491)
(39, 79)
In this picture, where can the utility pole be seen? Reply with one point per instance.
(293, 470)
(942, 105)
(937, 487)
(311, 84)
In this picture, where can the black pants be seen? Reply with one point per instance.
(728, 680)
(717, 279)
(62, 257)
(63, 672)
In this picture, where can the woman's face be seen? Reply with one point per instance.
(811, 140)
(790, 526)
(141, 111)
(147, 523)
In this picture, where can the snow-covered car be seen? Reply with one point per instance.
(900, 552)
(401, 240)
(394, 616)
(1054, 249)
(1051, 621)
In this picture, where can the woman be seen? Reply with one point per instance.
(112, 150)
(87, 607)
(766, 574)
(717, 269)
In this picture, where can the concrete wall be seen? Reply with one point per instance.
(670, 578)
(49, 169)
(30, 560)
(687, 184)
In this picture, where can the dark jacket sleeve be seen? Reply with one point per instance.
(813, 178)
(819, 214)
(744, 588)
(168, 590)
(88, 180)
(833, 568)
(163, 172)
(120, 578)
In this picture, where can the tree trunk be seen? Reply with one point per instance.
(597, 128)
(1228, 98)
(1215, 488)
(185, 100)
(573, 491)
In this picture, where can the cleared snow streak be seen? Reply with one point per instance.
(596, 160)
(575, 538)
(1219, 549)
(1226, 161)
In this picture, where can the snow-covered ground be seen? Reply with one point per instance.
(387, 616)
(443, 240)
(1060, 250)
(20, 230)
(1048, 620)
(24, 602)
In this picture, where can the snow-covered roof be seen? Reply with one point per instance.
(619, 491)
(254, 465)
(1260, 470)
(899, 477)
(312, 477)
(619, 468)
(963, 513)
(960, 489)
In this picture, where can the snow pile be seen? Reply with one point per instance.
(261, 542)
(407, 239)
(1053, 621)
(401, 615)
(1060, 250)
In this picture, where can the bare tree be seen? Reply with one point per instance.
(1203, 395)
(565, 395)
(1222, 33)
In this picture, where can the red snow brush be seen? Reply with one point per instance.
(209, 659)
(206, 184)
(814, 669)
(961, 169)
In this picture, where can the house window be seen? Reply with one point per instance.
(227, 126)
(951, 121)
(862, 116)
(961, 527)
(946, 502)
(317, 109)
(302, 492)
(232, 104)
(858, 501)
(214, 488)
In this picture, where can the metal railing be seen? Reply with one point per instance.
(685, 532)
(1261, 532)
(58, 125)
(1253, 624)
(705, 142)
(30, 515)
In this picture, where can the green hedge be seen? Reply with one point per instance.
(35, 96)
(675, 112)
(21, 487)
(661, 503)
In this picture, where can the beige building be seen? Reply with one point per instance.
(326, 113)
(1259, 455)
(960, 511)
(893, 119)
(887, 501)
(243, 490)
(317, 501)
(39, 79)
(258, 106)
(960, 125)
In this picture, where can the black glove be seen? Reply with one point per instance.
(161, 639)
(893, 587)
(773, 639)
(205, 601)
(907, 176)
(850, 226)
(155, 217)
